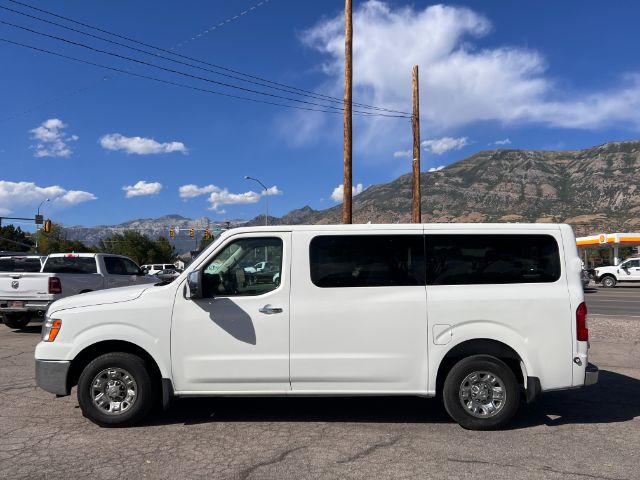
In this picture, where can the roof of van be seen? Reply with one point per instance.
(477, 227)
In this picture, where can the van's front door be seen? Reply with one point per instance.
(236, 338)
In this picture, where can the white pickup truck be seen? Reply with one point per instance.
(626, 271)
(26, 295)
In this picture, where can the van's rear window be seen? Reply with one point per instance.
(463, 259)
(367, 260)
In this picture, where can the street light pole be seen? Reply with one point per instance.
(37, 228)
(266, 196)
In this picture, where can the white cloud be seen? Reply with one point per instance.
(272, 191)
(142, 188)
(435, 169)
(52, 141)
(444, 144)
(27, 194)
(192, 191)
(464, 84)
(140, 145)
(506, 141)
(338, 193)
(403, 154)
(221, 196)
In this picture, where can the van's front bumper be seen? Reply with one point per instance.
(591, 374)
(52, 375)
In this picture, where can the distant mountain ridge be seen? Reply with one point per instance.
(594, 190)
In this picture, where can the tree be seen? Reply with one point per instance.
(14, 239)
(139, 247)
(205, 242)
(56, 241)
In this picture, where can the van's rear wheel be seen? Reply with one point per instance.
(115, 390)
(481, 393)
(16, 320)
(609, 282)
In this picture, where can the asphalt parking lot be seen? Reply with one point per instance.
(592, 432)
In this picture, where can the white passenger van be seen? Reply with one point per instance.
(483, 314)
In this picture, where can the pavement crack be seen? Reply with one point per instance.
(543, 468)
(246, 473)
(369, 450)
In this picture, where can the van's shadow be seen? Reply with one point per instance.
(616, 398)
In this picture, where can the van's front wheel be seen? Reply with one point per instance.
(481, 393)
(115, 390)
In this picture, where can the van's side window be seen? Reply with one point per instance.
(463, 259)
(367, 260)
(250, 266)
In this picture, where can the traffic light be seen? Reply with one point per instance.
(192, 232)
(207, 235)
(47, 226)
(172, 232)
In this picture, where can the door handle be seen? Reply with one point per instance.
(269, 310)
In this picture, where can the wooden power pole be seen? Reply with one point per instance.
(416, 210)
(348, 77)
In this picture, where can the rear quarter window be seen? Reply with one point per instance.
(461, 259)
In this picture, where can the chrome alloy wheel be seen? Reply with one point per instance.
(482, 394)
(114, 391)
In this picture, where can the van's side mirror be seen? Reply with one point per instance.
(194, 282)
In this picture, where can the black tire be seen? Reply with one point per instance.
(608, 281)
(16, 320)
(453, 403)
(137, 369)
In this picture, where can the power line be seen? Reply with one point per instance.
(72, 93)
(220, 24)
(189, 75)
(155, 54)
(220, 67)
(77, 91)
(168, 82)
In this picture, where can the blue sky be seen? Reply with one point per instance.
(107, 148)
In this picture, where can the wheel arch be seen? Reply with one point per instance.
(94, 350)
(481, 346)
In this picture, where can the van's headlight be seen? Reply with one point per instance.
(50, 329)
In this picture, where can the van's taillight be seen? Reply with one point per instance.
(581, 323)
(54, 285)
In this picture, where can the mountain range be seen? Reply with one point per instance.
(594, 190)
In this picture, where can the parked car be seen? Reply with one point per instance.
(480, 314)
(152, 269)
(626, 271)
(27, 295)
(168, 275)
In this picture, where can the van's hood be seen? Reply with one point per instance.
(100, 297)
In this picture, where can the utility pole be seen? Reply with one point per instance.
(348, 78)
(416, 210)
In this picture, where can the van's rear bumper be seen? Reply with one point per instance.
(591, 374)
(51, 375)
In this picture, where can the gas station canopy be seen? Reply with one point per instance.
(610, 240)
